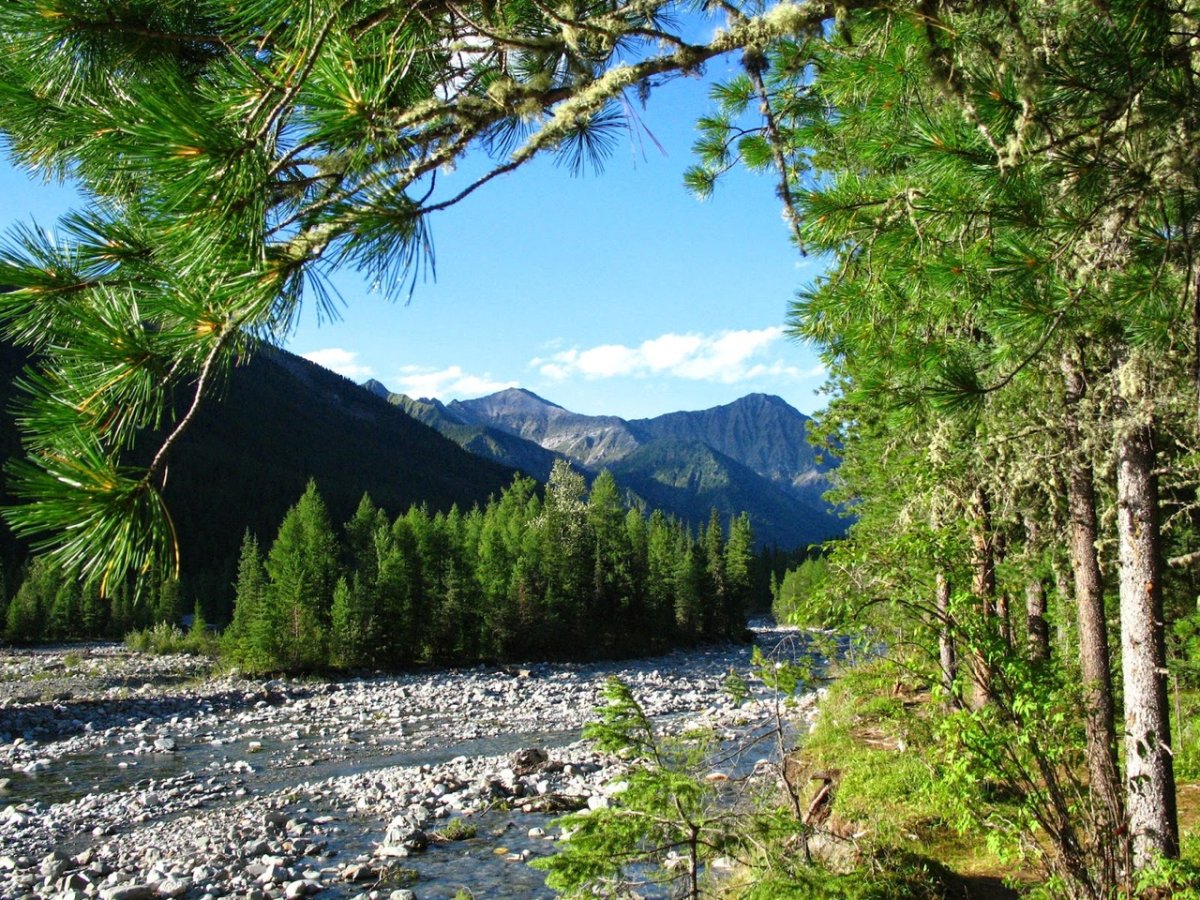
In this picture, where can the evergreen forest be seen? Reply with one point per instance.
(561, 573)
(570, 576)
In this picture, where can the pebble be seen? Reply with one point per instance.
(218, 827)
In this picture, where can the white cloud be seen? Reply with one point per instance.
(344, 362)
(726, 357)
(450, 382)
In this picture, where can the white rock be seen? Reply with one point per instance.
(172, 887)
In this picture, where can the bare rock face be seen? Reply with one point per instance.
(590, 441)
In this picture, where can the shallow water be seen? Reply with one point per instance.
(217, 752)
(278, 764)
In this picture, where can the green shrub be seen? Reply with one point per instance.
(458, 830)
(165, 638)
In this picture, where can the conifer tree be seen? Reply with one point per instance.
(30, 606)
(716, 593)
(637, 537)
(739, 554)
(662, 575)
(690, 584)
(62, 623)
(610, 553)
(302, 566)
(248, 641)
(360, 538)
(1000, 190)
(351, 624)
(230, 157)
(403, 618)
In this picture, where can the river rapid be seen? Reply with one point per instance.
(128, 776)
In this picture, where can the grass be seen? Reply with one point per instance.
(873, 732)
(456, 830)
(875, 739)
(876, 733)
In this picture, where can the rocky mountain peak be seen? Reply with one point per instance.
(378, 388)
(749, 455)
(508, 403)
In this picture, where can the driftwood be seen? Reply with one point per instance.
(799, 777)
(821, 805)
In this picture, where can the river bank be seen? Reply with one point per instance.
(136, 776)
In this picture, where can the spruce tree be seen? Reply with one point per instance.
(351, 624)
(739, 556)
(248, 641)
(302, 566)
(63, 619)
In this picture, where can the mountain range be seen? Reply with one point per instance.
(751, 455)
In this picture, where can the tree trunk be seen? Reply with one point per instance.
(984, 588)
(946, 649)
(1196, 342)
(1150, 773)
(1089, 605)
(1064, 593)
(1037, 630)
(1004, 618)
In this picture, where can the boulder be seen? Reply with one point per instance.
(130, 892)
(357, 872)
(172, 887)
(529, 760)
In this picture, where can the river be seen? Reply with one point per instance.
(133, 773)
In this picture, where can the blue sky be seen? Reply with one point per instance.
(616, 293)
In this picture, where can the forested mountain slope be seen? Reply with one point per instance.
(277, 422)
(760, 431)
(691, 479)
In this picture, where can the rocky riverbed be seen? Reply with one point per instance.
(130, 776)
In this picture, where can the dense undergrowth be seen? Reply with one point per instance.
(858, 811)
(903, 822)
(871, 805)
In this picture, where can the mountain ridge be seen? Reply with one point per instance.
(756, 446)
(277, 421)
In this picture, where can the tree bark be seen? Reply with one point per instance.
(984, 588)
(1037, 630)
(1089, 606)
(946, 649)
(1064, 592)
(1150, 773)
(1004, 618)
